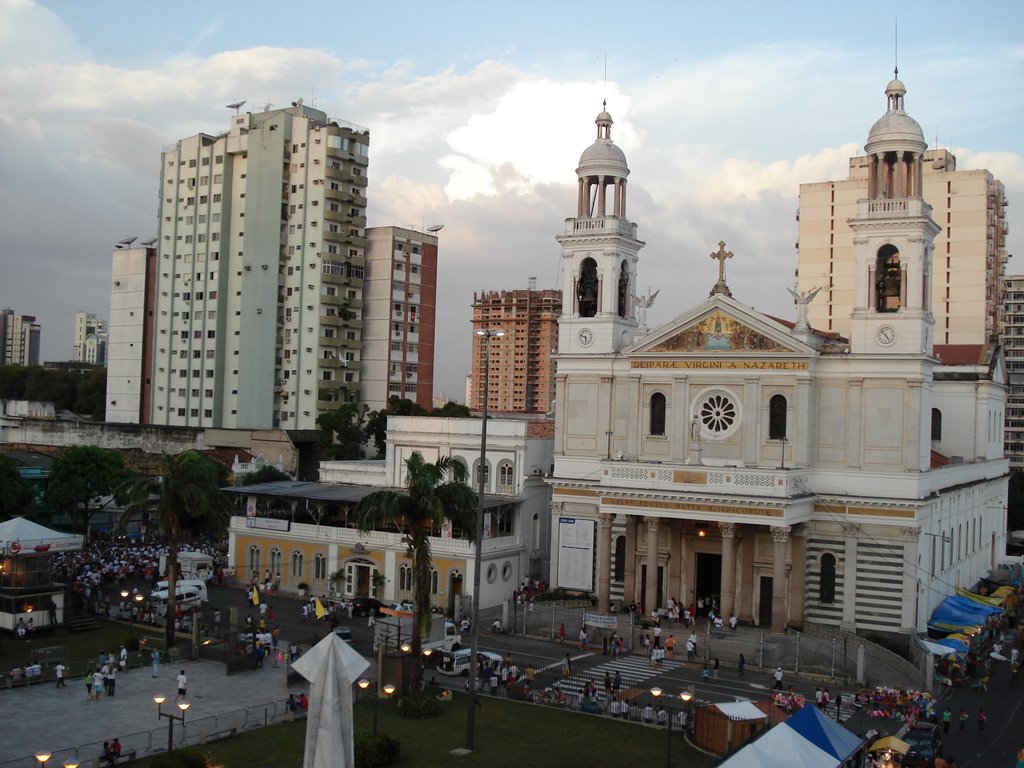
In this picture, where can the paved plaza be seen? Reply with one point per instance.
(43, 717)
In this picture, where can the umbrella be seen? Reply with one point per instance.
(997, 656)
(330, 666)
(891, 743)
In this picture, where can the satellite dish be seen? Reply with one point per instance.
(435, 227)
(236, 105)
(127, 241)
(940, 163)
(149, 243)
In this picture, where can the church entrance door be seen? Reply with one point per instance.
(708, 578)
(764, 605)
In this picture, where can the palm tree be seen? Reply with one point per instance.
(435, 492)
(186, 501)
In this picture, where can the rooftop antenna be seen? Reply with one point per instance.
(236, 105)
(896, 49)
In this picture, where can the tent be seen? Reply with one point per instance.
(808, 739)
(19, 535)
(958, 611)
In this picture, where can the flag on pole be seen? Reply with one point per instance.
(320, 610)
(255, 595)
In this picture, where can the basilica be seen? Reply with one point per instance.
(783, 474)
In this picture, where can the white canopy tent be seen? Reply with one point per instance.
(19, 535)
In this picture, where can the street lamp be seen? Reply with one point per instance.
(43, 757)
(138, 598)
(427, 653)
(388, 690)
(171, 717)
(478, 550)
(685, 697)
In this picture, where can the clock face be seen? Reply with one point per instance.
(886, 335)
(585, 337)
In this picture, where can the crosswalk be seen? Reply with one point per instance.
(633, 670)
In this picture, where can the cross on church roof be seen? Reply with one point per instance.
(721, 255)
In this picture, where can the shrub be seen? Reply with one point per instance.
(372, 751)
(419, 707)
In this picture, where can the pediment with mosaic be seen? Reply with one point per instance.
(718, 332)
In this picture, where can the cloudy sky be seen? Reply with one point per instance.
(477, 119)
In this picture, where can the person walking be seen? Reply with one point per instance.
(561, 634)
(97, 683)
(111, 679)
(947, 716)
(714, 668)
(156, 663)
(778, 680)
(182, 686)
(963, 719)
(566, 667)
(59, 669)
(981, 719)
(741, 665)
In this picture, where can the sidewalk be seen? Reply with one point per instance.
(42, 717)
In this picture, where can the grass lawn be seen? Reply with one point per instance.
(81, 647)
(509, 734)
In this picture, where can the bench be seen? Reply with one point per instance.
(223, 734)
(125, 757)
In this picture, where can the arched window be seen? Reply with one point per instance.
(254, 559)
(319, 567)
(888, 279)
(619, 572)
(657, 414)
(827, 579)
(482, 474)
(298, 565)
(276, 558)
(586, 288)
(936, 424)
(434, 581)
(777, 418)
(405, 578)
(506, 478)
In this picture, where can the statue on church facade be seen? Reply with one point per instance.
(642, 304)
(803, 300)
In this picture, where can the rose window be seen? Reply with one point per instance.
(717, 414)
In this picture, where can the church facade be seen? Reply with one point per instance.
(779, 473)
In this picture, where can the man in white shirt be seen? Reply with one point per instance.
(182, 686)
(59, 669)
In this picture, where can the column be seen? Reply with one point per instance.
(651, 585)
(629, 571)
(798, 576)
(883, 180)
(746, 602)
(728, 531)
(850, 577)
(617, 205)
(600, 195)
(581, 207)
(872, 176)
(910, 540)
(675, 560)
(622, 207)
(780, 535)
(604, 556)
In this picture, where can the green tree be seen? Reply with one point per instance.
(452, 410)
(268, 473)
(91, 394)
(376, 430)
(434, 492)
(16, 494)
(81, 475)
(12, 381)
(341, 436)
(185, 501)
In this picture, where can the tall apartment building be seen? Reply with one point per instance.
(399, 313)
(969, 259)
(1013, 349)
(130, 341)
(90, 341)
(521, 371)
(259, 277)
(20, 337)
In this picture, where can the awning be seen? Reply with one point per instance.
(890, 742)
(938, 648)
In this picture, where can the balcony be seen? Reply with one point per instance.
(887, 208)
(774, 483)
(606, 225)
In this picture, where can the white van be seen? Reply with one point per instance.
(199, 586)
(457, 662)
(186, 598)
(191, 565)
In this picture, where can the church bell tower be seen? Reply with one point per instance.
(599, 254)
(893, 236)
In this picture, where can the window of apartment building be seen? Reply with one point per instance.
(350, 335)
(349, 377)
(192, 163)
(204, 199)
(328, 333)
(209, 374)
(191, 201)
(218, 178)
(194, 413)
(211, 334)
(328, 375)
(352, 295)
(205, 161)
(218, 159)
(208, 413)
(195, 393)
(330, 290)
(216, 197)
(181, 411)
(188, 238)
(396, 346)
(204, 180)
(210, 354)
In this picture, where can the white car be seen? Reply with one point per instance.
(457, 662)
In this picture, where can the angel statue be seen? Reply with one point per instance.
(802, 300)
(642, 304)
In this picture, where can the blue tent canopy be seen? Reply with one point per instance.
(959, 611)
(954, 643)
(823, 733)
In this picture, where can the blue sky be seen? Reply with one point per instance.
(478, 114)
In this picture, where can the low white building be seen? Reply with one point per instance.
(305, 531)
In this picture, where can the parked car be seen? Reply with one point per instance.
(345, 633)
(925, 740)
(362, 605)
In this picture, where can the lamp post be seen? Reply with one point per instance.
(685, 697)
(388, 690)
(131, 611)
(43, 757)
(478, 550)
(171, 717)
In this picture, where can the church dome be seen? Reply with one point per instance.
(603, 157)
(895, 130)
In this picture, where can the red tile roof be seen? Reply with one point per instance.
(961, 354)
